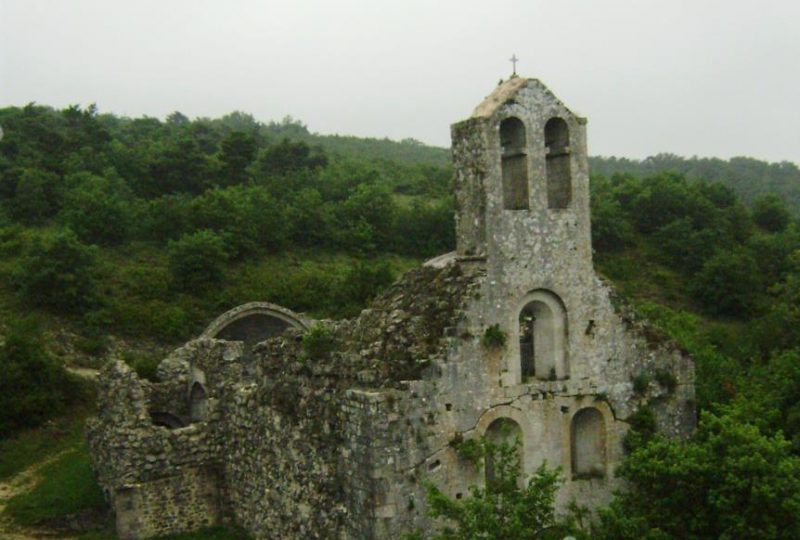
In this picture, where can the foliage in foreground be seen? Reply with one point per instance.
(503, 509)
(730, 481)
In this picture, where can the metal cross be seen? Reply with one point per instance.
(514, 61)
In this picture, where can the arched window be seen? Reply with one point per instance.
(197, 402)
(543, 337)
(559, 176)
(505, 432)
(514, 163)
(588, 444)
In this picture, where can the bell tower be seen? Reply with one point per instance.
(522, 212)
(522, 186)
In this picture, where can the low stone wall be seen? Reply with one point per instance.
(186, 501)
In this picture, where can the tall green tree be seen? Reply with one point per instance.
(729, 482)
(99, 209)
(60, 273)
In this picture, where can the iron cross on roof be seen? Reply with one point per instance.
(514, 61)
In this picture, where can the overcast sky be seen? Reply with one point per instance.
(702, 77)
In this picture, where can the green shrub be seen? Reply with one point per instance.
(33, 386)
(505, 508)
(145, 365)
(318, 342)
(58, 272)
(98, 209)
(729, 481)
(728, 284)
(667, 380)
(641, 382)
(197, 261)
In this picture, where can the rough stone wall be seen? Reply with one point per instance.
(306, 437)
(282, 446)
(186, 501)
(465, 390)
(158, 480)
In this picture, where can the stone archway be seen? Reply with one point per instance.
(254, 322)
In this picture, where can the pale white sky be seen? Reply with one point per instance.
(706, 77)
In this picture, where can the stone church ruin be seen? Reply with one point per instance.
(332, 435)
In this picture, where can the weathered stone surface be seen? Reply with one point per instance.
(337, 446)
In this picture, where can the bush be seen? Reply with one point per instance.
(59, 272)
(318, 342)
(770, 213)
(729, 284)
(33, 387)
(98, 209)
(36, 197)
(503, 509)
(730, 481)
(197, 261)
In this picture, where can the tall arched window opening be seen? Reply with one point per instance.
(542, 337)
(503, 432)
(197, 403)
(588, 444)
(514, 163)
(557, 157)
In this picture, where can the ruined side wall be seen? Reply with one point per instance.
(282, 446)
(159, 480)
(187, 501)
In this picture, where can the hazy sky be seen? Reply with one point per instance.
(702, 77)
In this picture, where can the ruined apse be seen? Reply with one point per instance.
(292, 428)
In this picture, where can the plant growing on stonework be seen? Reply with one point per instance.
(504, 508)
(318, 342)
(667, 380)
(641, 382)
(494, 337)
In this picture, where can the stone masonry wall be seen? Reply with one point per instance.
(186, 501)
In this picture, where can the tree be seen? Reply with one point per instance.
(98, 208)
(729, 284)
(288, 156)
(504, 509)
(730, 481)
(238, 151)
(611, 231)
(246, 217)
(770, 213)
(59, 272)
(37, 196)
(33, 386)
(197, 261)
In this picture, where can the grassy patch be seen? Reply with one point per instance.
(31, 446)
(67, 486)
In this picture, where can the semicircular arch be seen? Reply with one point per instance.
(254, 322)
